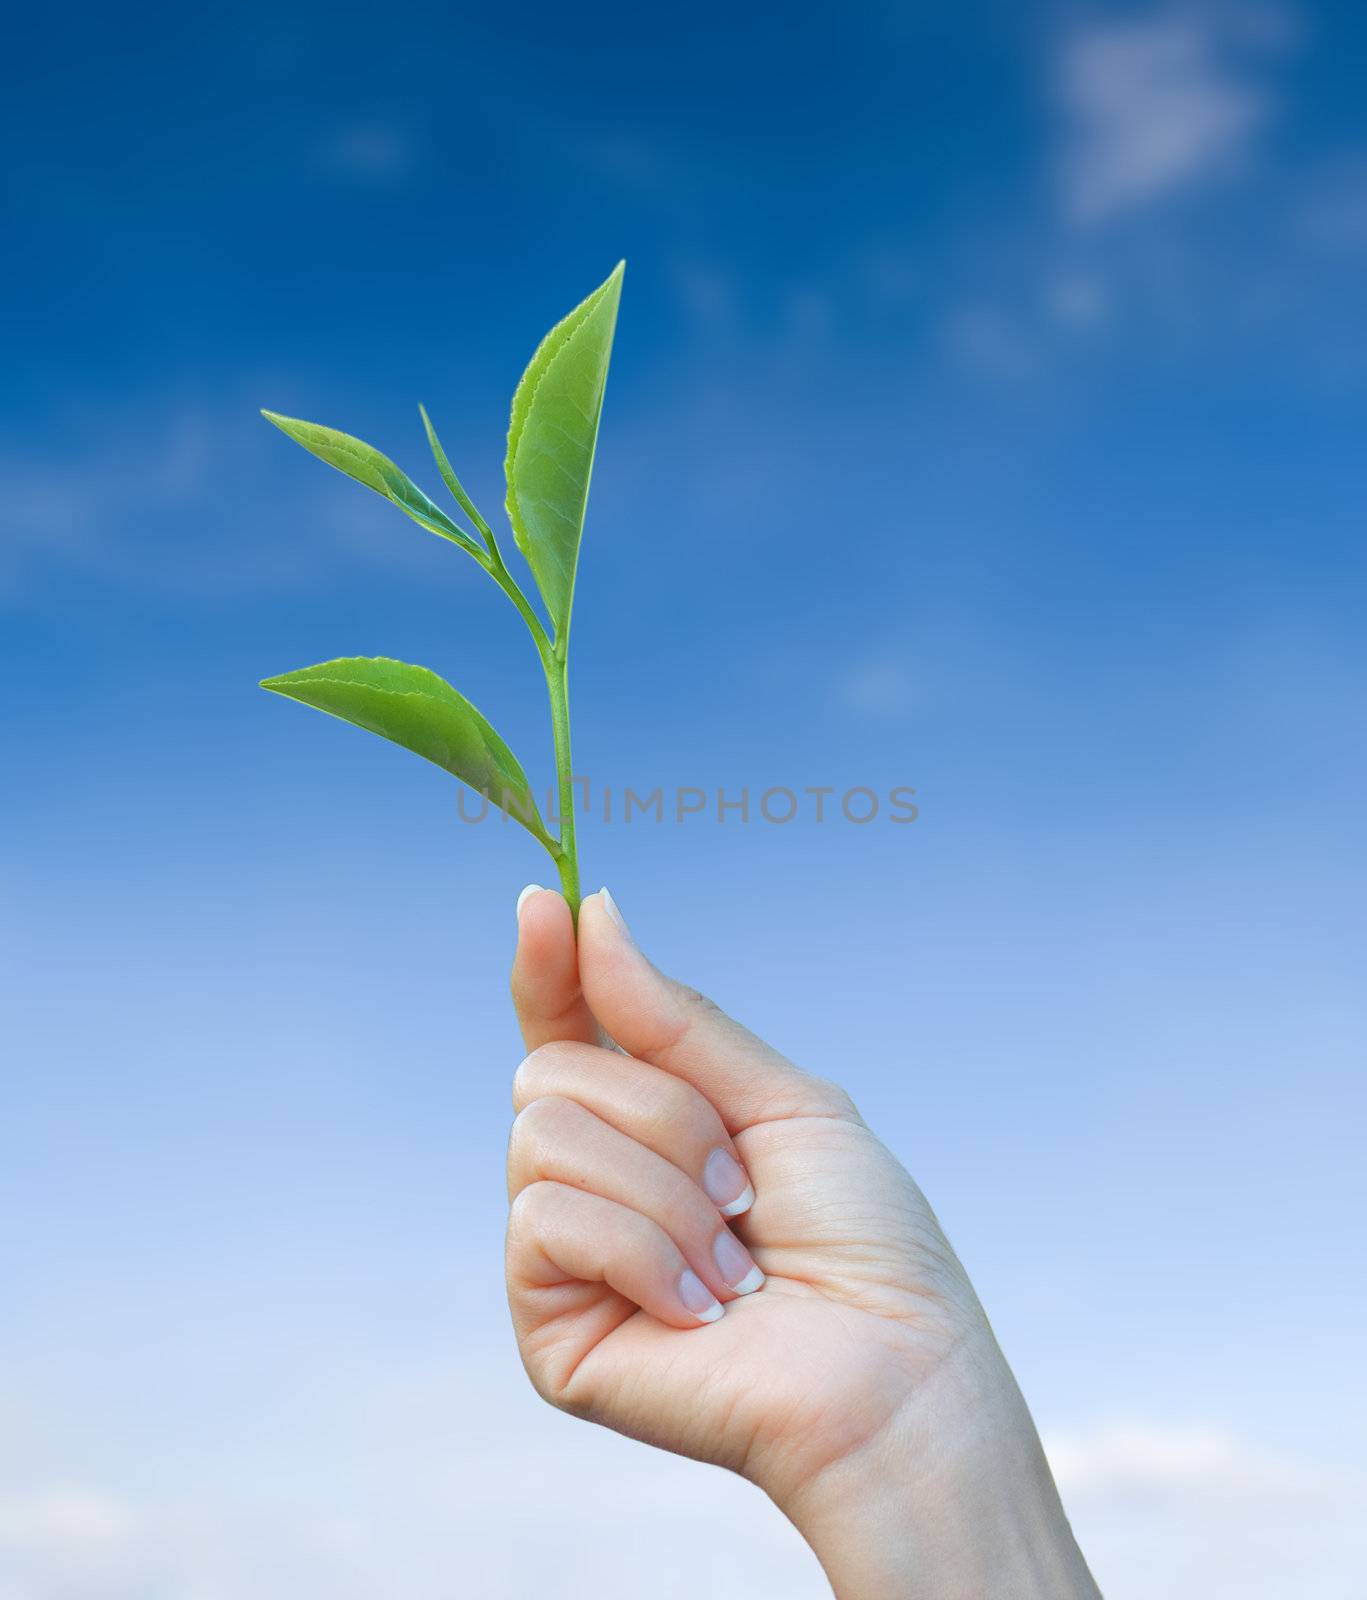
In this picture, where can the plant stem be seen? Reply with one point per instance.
(554, 664)
(504, 579)
(567, 860)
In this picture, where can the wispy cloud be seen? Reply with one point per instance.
(60, 509)
(447, 1490)
(1078, 300)
(879, 685)
(64, 1518)
(67, 1541)
(1151, 110)
(1190, 1511)
(1198, 1510)
(375, 152)
(1158, 106)
(990, 341)
(1333, 208)
(1141, 1461)
(185, 496)
(707, 293)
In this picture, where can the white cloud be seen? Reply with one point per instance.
(879, 685)
(448, 1486)
(992, 343)
(465, 1485)
(66, 1541)
(1152, 108)
(707, 293)
(64, 1519)
(620, 155)
(1138, 1459)
(889, 276)
(1333, 211)
(371, 152)
(60, 508)
(189, 497)
(1157, 106)
(1078, 301)
(1197, 1512)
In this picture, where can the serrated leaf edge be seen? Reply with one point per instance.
(565, 331)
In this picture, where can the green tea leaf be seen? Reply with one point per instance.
(551, 442)
(417, 709)
(364, 463)
(449, 478)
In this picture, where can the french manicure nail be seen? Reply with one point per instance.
(723, 1178)
(734, 1263)
(698, 1299)
(610, 906)
(532, 888)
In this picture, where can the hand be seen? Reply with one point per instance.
(824, 1341)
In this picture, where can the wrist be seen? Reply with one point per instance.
(952, 1500)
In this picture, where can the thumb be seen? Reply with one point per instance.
(658, 1020)
(546, 993)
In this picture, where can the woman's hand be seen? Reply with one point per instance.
(708, 1250)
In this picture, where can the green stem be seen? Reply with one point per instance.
(505, 580)
(567, 859)
(554, 664)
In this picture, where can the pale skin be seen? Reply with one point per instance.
(854, 1378)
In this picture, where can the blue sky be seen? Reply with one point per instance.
(986, 417)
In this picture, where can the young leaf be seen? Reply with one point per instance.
(360, 461)
(551, 442)
(451, 481)
(422, 712)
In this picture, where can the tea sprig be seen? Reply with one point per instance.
(552, 439)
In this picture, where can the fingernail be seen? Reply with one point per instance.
(734, 1263)
(724, 1180)
(698, 1299)
(610, 906)
(532, 888)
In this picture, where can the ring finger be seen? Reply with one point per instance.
(649, 1105)
(558, 1140)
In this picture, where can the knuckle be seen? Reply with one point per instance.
(645, 1239)
(529, 1207)
(695, 1000)
(684, 1204)
(534, 1069)
(835, 1099)
(539, 1124)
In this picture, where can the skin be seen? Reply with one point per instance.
(860, 1386)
